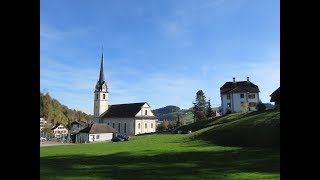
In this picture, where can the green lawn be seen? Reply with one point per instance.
(166, 156)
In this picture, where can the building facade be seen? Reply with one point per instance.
(233, 94)
(128, 119)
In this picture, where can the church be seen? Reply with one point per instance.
(128, 119)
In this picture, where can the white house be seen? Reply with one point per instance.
(59, 131)
(128, 119)
(95, 133)
(233, 94)
(43, 122)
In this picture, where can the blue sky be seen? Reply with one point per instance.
(159, 51)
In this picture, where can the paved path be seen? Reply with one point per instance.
(53, 144)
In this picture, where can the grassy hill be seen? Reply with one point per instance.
(239, 129)
(158, 156)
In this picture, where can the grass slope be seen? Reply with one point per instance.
(240, 129)
(158, 156)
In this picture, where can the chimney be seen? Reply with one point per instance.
(234, 80)
(248, 79)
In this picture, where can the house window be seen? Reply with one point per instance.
(98, 136)
(104, 96)
(97, 96)
(252, 96)
(151, 125)
(228, 96)
(145, 125)
(119, 128)
(252, 104)
(241, 95)
(113, 125)
(138, 125)
(125, 128)
(146, 112)
(229, 105)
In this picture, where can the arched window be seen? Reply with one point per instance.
(138, 125)
(145, 126)
(119, 128)
(146, 112)
(104, 96)
(97, 96)
(125, 128)
(151, 125)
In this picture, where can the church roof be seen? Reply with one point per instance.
(123, 110)
(98, 128)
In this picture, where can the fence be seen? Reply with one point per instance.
(50, 137)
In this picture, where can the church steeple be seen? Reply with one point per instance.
(102, 84)
(100, 94)
(101, 77)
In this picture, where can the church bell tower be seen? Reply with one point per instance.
(100, 95)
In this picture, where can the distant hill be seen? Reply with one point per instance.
(166, 110)
(269, 105)
(170, 113)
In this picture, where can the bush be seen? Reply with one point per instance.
(261, 107)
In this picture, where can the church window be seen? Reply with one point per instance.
(138, 125)
(145, 125)
(113, 125)
(125, 128)
(97, 96)
(104, 96)
(146, 112)
(119, 128)
(151, 125)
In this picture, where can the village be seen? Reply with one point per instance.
(120, 121)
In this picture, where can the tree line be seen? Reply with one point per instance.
(54, 112)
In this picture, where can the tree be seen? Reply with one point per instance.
(245, 107)
(171, 125)
(199, 109)
(209, 110)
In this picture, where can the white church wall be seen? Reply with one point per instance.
(126, 125)
(141, 126)
(143, 110)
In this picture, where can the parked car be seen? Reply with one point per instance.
(120, 138)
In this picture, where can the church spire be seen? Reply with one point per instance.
(101, 77)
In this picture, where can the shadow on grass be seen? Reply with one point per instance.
(183, 165)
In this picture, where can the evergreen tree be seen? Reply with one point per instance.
(199, 109)
(209, 110)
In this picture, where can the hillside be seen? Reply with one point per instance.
(171, 113)
(239, 129)
(55, 112)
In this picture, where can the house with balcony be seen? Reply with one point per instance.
(59, 131)
(234, 93)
